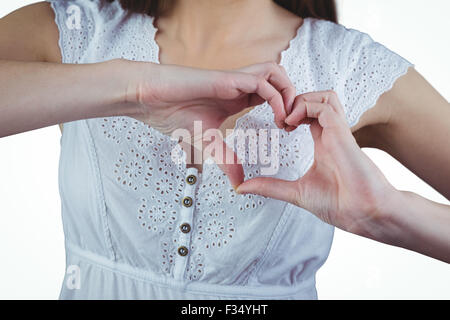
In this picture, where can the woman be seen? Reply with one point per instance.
(139, 225)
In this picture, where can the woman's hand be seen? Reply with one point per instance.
(343, 187)
(174, 97)
(167, 97)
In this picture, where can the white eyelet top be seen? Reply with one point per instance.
(141, 226)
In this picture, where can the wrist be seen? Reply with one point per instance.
(379, 214)
(125, 78)
(386, 223)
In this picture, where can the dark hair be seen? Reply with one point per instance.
(320, 9)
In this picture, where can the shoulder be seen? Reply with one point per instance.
(81, 23)
(351, 63)
(79, 12)
(30, 34)
(324, 30)
(335, 40)
(327, 47)
(353, 48)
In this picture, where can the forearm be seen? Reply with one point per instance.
(36, 95)
(410, 221)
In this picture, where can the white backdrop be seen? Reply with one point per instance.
(31, 239)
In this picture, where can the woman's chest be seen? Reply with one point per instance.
(144, 178)
(139, 157)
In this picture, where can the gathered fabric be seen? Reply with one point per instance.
(140, 224)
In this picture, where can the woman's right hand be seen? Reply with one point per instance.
(167, 97)
(171, 97)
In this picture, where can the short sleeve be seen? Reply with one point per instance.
(370, 69)
(76, 21)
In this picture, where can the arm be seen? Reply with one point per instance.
(36, 40)
(37, 93)
(37, 90)
(44, 94)
(345, 188)
(415, 223)
(30, 34)
(411, 122)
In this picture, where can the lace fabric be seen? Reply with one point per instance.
(135, 192)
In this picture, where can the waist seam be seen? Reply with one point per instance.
(198, 288)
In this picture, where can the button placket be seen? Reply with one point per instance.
(185, 222)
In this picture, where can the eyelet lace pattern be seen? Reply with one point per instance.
(136, 160)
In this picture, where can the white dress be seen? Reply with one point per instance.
(140, 226)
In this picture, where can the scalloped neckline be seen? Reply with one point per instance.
(282, 54)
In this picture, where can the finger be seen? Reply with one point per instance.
(277, 77)
(271, 188)
(303, 110)
(287, 91)
(316, 130)
(304, 121)
(329, 97)
(275, 100)
(255, 100)
(298, 113)
(290, 128)
(260, 86)
(323, 112)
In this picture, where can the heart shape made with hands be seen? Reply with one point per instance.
(178, 97)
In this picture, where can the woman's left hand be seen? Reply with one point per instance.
(343, 187)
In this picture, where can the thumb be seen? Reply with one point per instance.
(272, 188)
